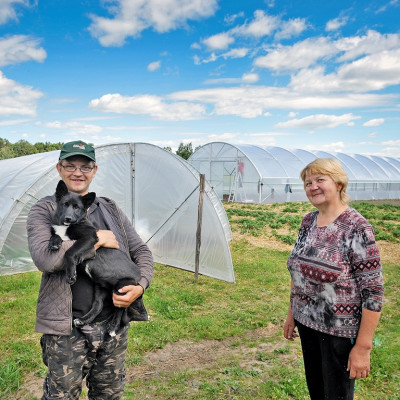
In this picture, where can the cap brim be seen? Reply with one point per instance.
(63, 157)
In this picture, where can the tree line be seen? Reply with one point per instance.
(24, 148)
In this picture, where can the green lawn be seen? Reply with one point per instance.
(252, 366)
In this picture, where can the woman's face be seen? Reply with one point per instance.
(322, 190)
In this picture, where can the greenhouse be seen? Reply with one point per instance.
(252, 174)
(158, 190)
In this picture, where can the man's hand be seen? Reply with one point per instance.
(129, 294)
(106, 239)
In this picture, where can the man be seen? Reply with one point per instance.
(72, 353)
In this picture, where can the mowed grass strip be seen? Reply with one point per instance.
(253, 360)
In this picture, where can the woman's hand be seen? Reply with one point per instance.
(289, 331)
(359, 357)
(359, 362)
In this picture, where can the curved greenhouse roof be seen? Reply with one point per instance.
(247, 173)
(158, 190)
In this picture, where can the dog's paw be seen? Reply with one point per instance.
(78, 323)
(55, 243)
(70, 272)
(71, 278)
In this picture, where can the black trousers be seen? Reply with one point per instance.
(325, 363)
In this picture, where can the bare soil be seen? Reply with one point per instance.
(181, 356)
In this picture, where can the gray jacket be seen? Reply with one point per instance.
(54, 305)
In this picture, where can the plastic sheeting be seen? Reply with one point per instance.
(158, 190)
(253, 174)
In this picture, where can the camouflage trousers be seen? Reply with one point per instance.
(91, 353)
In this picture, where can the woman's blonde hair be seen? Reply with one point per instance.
(332, 168)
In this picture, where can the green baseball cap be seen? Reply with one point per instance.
(77, 148)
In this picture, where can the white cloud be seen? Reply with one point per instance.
(373, 63)
(7, 11)
(319, 121)
(301, 55)
(153, 106)
(391, 148)
(11, 122)
(16, 99)
(371, 43)
(261, 25)
(372, 72)
(329, 147)
(250, 78)
(391, 143)
(246, 78)
(75, 127)
(236, 53)
(225, 137)
(374, 122)
(335, 24)
(220, 41)
(130, 18)
(292, 114)
(197, 60)
(254, 101)
(20, 48)
(195, 46)
(291, 28)
(154, 66)
(230, 19)
(391, 3)
(259, 139)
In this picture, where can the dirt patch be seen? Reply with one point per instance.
(183, 355)
(205, 354)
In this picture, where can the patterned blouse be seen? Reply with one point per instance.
(336, 271)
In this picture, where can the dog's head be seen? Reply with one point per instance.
(71, 207)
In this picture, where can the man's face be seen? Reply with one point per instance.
(77, 181)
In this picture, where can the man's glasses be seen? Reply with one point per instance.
(72, 168)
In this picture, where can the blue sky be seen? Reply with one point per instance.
(307, 74)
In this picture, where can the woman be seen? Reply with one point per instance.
(336, 288)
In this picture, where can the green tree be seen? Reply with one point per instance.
(23, 148)
(6, 152)
(185, 150)
(6, 149)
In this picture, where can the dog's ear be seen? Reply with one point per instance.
(88, 199)
(61, 190)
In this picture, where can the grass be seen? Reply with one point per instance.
(244, 357)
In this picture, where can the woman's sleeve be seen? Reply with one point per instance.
(367, 268)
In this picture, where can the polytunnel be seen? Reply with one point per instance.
(254, 174)
(158, 190)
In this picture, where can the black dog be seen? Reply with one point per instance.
(108, 268)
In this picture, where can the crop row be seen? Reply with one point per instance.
(262, 219)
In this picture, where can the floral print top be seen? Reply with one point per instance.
(336, 271)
